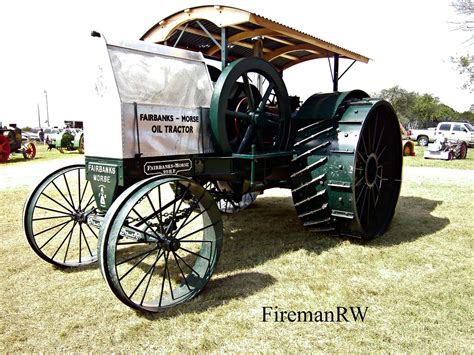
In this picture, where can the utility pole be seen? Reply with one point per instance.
(39, 116)
(47, 108)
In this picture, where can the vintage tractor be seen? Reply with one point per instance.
(69, 140)
(186, 138)
(10, 142)
(446, 149)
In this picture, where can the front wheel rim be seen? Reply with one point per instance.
(157, 251)
(56, 216)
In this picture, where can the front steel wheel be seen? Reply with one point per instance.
(160, 243)
(55, 218)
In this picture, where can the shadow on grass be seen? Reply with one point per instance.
(412, 220)
(265, 231)
(219, 291)
(270, 229)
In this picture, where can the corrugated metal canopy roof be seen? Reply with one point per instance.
(283, 46)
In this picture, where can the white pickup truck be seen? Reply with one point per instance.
(423, 136)
(452, 130)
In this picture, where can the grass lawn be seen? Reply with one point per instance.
(418, 160)
(416, 281)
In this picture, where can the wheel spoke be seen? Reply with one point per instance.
(95, 235)
(51, 210)
(158, 212)
(150, 271)
(56, 202)
(79, 188)
(146, 223)
(48, 229)
(248, 92)
(69, 192)
(152, 268)
(198, 230)
(193, 205)
(55, 234)
(199, 214)
(247, 137)
(164, 277)
(83, 193)
(85, 239)
(185, 263)
(65, 199)
(196, 254)
(68, 243)
(241, 115)
(45, 218)
(169, 277)
(153, 208)
(136, 256)
(67, 236)
(261, 106)
(91, 200)
(181, 270)
(135, 265)
(378, 143)
(376, 119)
(364, 146)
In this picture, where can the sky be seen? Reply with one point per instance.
(45, 45)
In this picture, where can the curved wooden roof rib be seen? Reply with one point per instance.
(246, 25)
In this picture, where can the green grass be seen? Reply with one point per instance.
(416, 281)
(418, 160)
(42, 155)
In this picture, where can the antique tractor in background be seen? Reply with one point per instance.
(199, 122)
(69, 140)
(10, 142)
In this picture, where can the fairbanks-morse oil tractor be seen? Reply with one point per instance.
(188, 140)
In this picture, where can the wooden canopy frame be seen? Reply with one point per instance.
(227, 33)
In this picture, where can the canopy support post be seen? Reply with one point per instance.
(335, 77)
(223, 47)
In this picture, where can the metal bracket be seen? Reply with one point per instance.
(208, 34)
(180, 35)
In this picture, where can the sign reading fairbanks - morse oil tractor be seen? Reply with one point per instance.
(188, 139)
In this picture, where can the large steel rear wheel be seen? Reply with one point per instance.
(160, 243)
(347, 170)
(55, 218)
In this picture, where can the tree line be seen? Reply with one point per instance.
(416, 110)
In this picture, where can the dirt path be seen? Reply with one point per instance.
(31, 173)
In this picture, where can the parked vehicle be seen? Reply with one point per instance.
(462, 131)
(69, 139)
(446, 149)
(11, 142)
(423, 136)
(459, 131)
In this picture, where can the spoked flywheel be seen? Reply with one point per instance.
(160, 242)
(347, 169)
(249, 106)
(56, 217)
